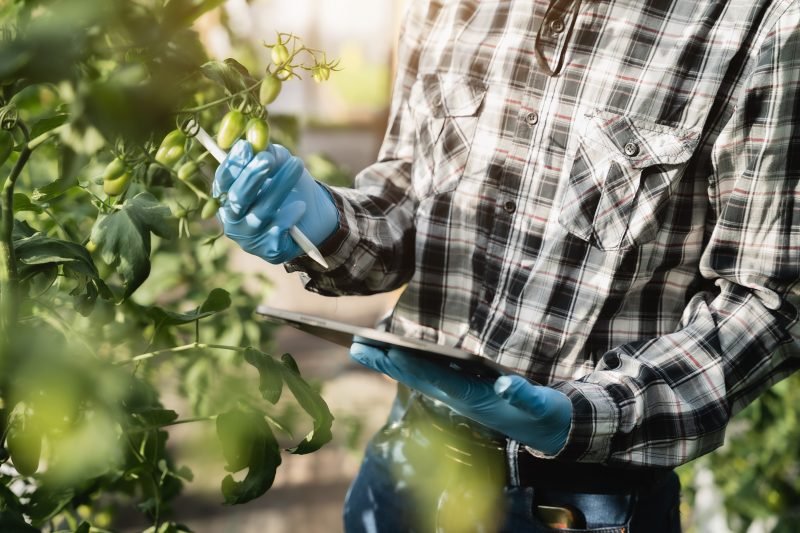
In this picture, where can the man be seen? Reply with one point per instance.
(601, 195)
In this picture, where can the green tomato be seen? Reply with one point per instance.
(269, 90)
(279, 54)
(115, 177)
(230, 129)
(24, 441)
(116, 186)
(210, 208)
(258, 134)
(114, 169)
(187, 171)
(172, 148)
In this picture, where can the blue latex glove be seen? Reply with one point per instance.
(267, 194)
(539, 417)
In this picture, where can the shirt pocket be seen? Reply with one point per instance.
(445, 110)
(622, 175)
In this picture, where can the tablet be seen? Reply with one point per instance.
(342, 334)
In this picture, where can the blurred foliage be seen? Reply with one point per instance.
(111, 283)
(758, 469)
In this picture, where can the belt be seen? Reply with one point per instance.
(526, 470)
(464, 437)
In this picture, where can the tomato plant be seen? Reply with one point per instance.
(110, 275)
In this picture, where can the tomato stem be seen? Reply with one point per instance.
(178, 349)
(9, 277)
(215, 103)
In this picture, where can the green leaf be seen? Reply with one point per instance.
(181, 13)
(44, 125)
(153, 418)
(247, 442)
(84, 527)
(21, 230)
(40, 250)
(217, 300)
(290, 363)
(230, 74)
(11, 522)
(270, 374)
(272, 377)
(41, 254)
(123, 237)
(46, 503)
(8, 500)
(313, 404)
(184, 472)
(22, 203)
(54, 189)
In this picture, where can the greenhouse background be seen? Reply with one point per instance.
(751, 484)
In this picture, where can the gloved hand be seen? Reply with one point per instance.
(267, 194)
(539, 417)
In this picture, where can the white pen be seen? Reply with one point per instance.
(299, 237)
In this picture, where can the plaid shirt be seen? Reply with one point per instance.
(601, 194)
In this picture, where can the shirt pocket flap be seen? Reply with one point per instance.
(442, 96)
(621, 178)
(642, 144)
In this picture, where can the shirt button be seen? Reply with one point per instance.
(488, 295)
(631, 149)
(510, 206)
(557, 25)
(532, 118)
(612, 361)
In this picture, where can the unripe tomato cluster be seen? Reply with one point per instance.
(173, 152)
(116, 177)
(234, 124)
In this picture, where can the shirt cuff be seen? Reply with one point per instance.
(339, 246)
(595, 420)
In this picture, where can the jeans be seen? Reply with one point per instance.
(412, 481)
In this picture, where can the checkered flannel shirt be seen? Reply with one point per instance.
(601, 194)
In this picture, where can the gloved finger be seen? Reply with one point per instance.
(517, 391)
(368, 356)
(243, 194)
(379, 360)
(275, 190)
(452, 382)
(279, 246)
(226, 174)
(280, 153)
(383, 362)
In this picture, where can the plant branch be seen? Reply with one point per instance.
(215, 103)
(9, 282)
(178, 349)
(173, 423)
